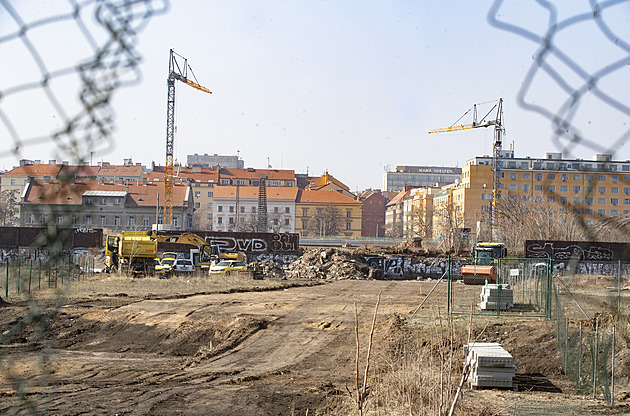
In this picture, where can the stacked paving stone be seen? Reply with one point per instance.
(490, 365)
(490, 297)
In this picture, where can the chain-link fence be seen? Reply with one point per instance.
(586, 352)
(506, 287)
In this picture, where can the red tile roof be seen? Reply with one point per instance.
(36, 170)
(324, 197)
(272, 174)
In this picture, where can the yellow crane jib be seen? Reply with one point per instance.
(199, 87)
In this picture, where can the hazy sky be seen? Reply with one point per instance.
(351, 87)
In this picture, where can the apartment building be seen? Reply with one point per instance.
(312, 219)
(372, 213)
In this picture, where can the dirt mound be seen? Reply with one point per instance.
(332, 263)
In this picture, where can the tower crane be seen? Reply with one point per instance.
(486, 121)
(176, 72)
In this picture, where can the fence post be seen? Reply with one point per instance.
(30, 276)
(566, 344)
(6, 286)
(595, 357)
(448, 287)
(612, 370)
(579, 379)
(619, 290)
(39, 274)
(17, 281)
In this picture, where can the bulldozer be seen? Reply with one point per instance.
(487, 256)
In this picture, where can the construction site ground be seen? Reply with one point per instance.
(270, 347)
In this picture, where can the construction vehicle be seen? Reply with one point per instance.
(487, 256)
(200, 252)
(131, 250)
(177, 71)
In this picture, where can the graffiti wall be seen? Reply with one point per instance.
(577, 250)
(17, 237)
(253, 243)
(398, 267)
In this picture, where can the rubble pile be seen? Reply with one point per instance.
(267, 269)
(331, 263)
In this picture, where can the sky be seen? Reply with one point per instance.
(348, 87)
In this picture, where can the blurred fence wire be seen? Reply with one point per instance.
(70, 56)
(62, 63)
(576, 69)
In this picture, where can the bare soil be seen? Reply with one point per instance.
(287, 351)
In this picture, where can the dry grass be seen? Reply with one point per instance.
(112, 285)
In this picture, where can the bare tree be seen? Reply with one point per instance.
(326, 222)
(450, 225)
(8, 208)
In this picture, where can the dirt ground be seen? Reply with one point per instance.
(274, 352)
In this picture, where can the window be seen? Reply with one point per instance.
(601, 189)
(276, 183)
(197, 204)
(486, 197)
(538, 198)
(103, 220)
(116, 220)
(588, 200)
(210, 194)
(614, 190)
(131, 221)
(513, 175)
(304, 224)
(348, 214)
(220, 208)
(601, 200)
(220, 220)
(576, 189)
(564, 176)
(287, 210)
(589, 178)
(601, 178)
(88, 220)
(614, 212)
(626, 211)
(276, 210)
(538, 176)
(551, 199)
(576, 199)
(31, 219)
(305, 212)
(564, 188)
(626, 201)
(13, 182)
(348, 226)
(287, 222)
(513, 187)
(197, 194)
(614, 179)
(175, 222)
(103, 201)
(145, 221)
(551, 176)
(614, 201)
(588, 211)
(590, 189)
(209, 216)
(117, 201)
(526, 175)
(254, 210)
(538, 187)
(59, 219)
(230, 220)
(209, 206)
(485, 208)
(601, 212)
(564, 200)
(242, 209)
(577, 177)
(551, 188)
(231, 208)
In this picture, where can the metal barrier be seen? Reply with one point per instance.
(514, 287)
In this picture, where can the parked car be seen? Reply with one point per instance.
(171, 265)
(163, 267)
(228, 267)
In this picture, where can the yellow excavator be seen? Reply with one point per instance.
(203, 254)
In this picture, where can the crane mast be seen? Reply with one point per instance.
(497, 146)
(176, 72)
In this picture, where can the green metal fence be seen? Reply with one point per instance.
(586, 352)
(30, 271)
(519, 287)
